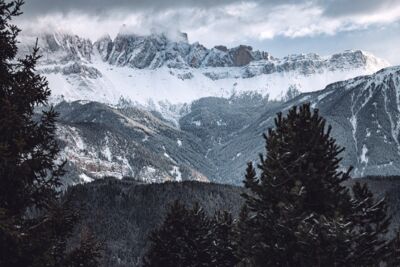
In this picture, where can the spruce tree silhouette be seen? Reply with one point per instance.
(299, 211)
(34, 223)
(182, 240)
(224, 246)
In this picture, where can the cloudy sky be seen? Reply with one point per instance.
(280, 27)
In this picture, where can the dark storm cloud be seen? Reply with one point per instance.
(347, 7)
(211, 22)
(105, 7)
(97, 7)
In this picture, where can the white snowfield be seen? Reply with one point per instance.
(78, 69)
(146, 86)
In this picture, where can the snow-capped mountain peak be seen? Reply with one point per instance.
(166, 68)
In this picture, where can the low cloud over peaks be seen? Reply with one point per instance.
(211, 22)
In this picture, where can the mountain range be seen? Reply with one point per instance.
(158, 108)
(156, 71)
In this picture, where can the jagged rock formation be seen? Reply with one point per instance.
(160, 68)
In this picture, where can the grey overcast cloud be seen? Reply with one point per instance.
(280, 27)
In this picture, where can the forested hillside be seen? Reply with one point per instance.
(123, 212)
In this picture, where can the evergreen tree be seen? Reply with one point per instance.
(34, 223)
(48, 233)
(394, 258)
(88, 254)
(372, 222)
(182, 240)
(300, 213)
(27, 146)
(223, 250)
(242, 227)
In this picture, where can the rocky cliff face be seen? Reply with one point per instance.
(58, 48)
(157, 50)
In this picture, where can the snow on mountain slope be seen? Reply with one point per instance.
(217, 136)
(99, 141)
(211, 138)
(149, 70)
(364, 113)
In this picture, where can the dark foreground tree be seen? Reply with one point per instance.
(88, 254)
(224, 245)
(300, 213)
(394, 258)
(34, 223)
(182, 240)
(371, 221)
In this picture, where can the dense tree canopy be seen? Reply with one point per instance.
(182, 240)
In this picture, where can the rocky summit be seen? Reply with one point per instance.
(156, 69)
